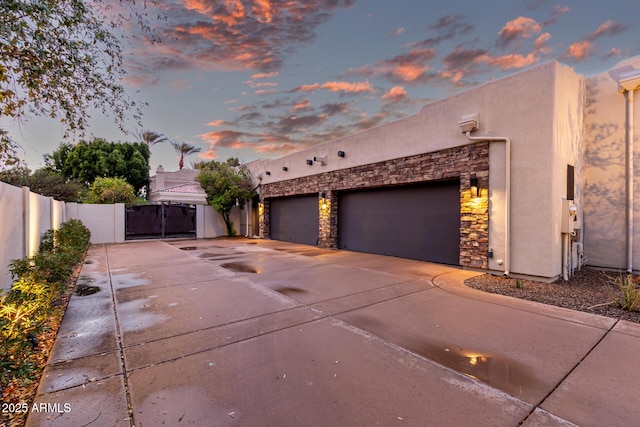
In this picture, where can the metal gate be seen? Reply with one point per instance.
(160, 221)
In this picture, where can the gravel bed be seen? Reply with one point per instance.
(589, 290)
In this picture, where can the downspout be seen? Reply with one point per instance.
(629, 85)
(507, 198)
(629, 181)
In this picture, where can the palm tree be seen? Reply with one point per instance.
(184, 149)
(150, 137)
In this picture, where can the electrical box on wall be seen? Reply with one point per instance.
(569, 211)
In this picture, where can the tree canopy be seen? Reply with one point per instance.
(62, 58)
(86, 161)
(110, 191)
(226, 185)
(46, 182)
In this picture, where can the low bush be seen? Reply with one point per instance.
(628, 297)
(38, 281)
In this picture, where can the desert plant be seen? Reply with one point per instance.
(628, 297)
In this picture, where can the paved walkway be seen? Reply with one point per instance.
(265, 333)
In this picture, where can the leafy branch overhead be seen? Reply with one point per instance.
(227, 184)
(62, 58)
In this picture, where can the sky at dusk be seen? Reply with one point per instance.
(263, 78)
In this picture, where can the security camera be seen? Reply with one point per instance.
(320, 159)
(469, 123)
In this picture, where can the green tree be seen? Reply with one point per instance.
(56, 160)
(87, 161)
(51, 184)
(62, 58)
(226, 186)
(44, 181)
(184, 149)
(110, 191)
(17, 176)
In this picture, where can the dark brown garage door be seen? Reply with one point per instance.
(294, 219)
(418, 221)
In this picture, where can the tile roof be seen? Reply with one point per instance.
(190, 188)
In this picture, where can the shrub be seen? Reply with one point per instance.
(38, 281)
(628, 297)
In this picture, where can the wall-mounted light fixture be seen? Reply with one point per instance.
(324, 205)
(341, 153)
(468, 123)
(475, 190)
(268, 173)
(309, 162)
(284, 168)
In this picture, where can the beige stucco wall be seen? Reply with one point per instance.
(568, 148)
(604, 173)
(106, 222)
(209, 223)
(545, 137)
(12, 230)
(24, 217)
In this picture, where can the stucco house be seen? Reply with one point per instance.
(529, 175)
(176, 187)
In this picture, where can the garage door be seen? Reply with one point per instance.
(418, 221)
(294, 219)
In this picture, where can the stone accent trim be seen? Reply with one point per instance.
(454, 163)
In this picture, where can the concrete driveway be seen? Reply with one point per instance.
(265, 333)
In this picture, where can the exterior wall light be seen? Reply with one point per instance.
(324, 205)
(284, 168)
(341, 153)
(475, 190)
(309, 162)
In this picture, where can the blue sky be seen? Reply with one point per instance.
(263, 78)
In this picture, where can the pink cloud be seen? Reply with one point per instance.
(304, 104)
(557, 13)
(521, 27)
(580, 50)
(608, 28)
(395, 94)
(541, 41)
(511, 61)
(231, 35)
(358, 87)
(263, 10)
(217, 123)
(265, 75)
(335, 86)
(583, 49)
(411, 67)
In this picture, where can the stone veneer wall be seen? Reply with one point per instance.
(454, 163)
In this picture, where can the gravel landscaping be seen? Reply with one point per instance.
(589, 290)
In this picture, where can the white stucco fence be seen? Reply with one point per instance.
(25, 215)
